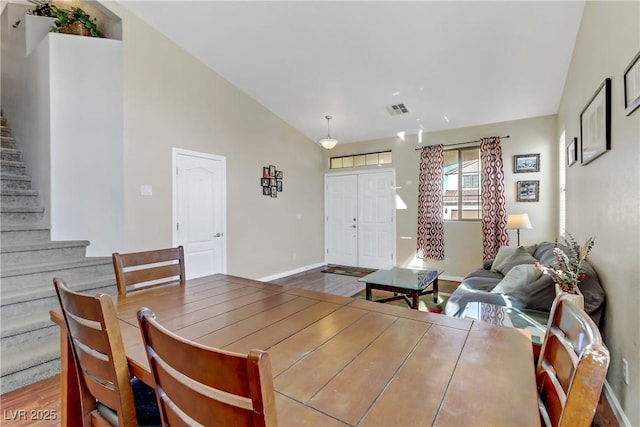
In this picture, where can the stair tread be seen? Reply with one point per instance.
(14, 176)
(47, 291)
(54, 266)
(18, 192)
(24, 324)
(17, 209)
(52, 244)
(24, 227)
(14, 361)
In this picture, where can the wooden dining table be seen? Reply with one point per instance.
(340, 361)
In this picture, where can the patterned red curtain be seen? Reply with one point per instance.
(430, 223)
(494, 215)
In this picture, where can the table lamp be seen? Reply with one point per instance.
(518, 221)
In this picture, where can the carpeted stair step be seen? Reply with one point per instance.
(16, 198)
(14, 234)
(10, 154)
(27, 338)
(14, 215)
(21, 302)
(19, 371)
(41, 252)
(6, 140)
(10, 166)
(5, 130)
(11, 181)
(33, 276)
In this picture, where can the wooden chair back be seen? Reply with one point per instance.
(141, 270)
(572, 366)
(211, 387)
(103, 372)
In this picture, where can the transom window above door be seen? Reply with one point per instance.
(366, 159)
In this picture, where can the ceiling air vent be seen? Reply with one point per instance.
(397, 109)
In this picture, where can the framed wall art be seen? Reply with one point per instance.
(526, 163)
(528, 191)
(632, 85)
(595, 124)
(572, 152)
(271, 181)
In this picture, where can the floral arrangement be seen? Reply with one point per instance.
(567, 271)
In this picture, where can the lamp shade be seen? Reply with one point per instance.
(518, 221)
(328, 143)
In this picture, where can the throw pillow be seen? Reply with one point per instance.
(520, 256)
(517, 278)
(503, 253)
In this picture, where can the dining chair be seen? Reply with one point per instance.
(141, 270)
(108, 394)
(204, 385)
(571, 368)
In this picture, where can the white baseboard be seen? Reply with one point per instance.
(451, 278)
(290, 272)
(615, 406)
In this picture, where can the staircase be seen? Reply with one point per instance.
(29, 260)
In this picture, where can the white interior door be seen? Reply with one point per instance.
(199, 207)
(360, 222)
(341, 220)
(376, 219)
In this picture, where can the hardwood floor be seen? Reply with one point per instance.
(38, 405)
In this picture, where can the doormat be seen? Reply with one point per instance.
(425, 303)
(348, 271)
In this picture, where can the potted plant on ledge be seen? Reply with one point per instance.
(73, 20)
(566, 272)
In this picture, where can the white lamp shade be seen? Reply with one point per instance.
(328, 143)
(518, 221)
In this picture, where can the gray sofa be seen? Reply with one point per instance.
(511, 279)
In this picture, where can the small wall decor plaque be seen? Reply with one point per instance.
(572, 152)
(271, 181)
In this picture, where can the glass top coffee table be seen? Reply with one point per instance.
(404, 283)
(532, 320)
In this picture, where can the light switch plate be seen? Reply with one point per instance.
(146, 190)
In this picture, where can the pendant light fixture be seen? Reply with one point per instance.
(328, 142)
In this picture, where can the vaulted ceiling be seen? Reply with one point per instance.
(451, 63)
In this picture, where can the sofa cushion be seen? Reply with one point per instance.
(503, 253)
(517, 278)
(518, 257)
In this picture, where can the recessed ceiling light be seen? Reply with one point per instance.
(446, 119)
(401, 135)
(395, 94)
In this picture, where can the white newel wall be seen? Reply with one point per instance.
(73, 136)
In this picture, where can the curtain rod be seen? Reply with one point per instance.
(459, 143)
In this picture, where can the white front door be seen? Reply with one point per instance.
(342, 222)
(376, 208)
(199, 211)
(360, 219)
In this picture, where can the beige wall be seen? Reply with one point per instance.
(173, 100)
(463, 240)
(603, 196)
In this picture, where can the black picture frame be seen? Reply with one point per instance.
(595, 124)
(272, 182)
(632, 85)
(264, 182)
(572, 152)
(279, 174)
(266, 191)
(265, 171)
(279, 185)
(272, 171)
(274, 191)
(525, 163)
(528, 191)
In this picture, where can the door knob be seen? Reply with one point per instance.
(217, 235)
